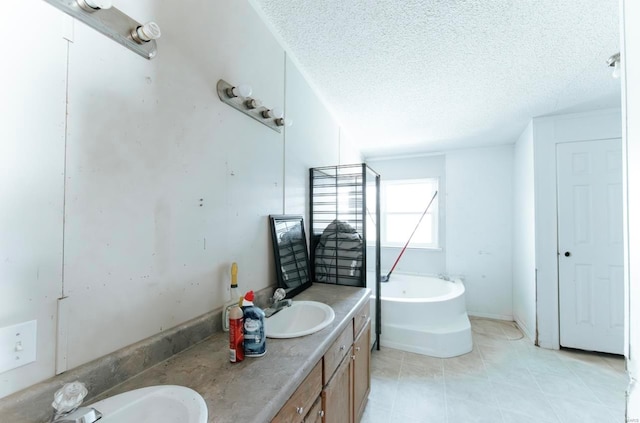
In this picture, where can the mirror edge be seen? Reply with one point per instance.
(280, 282)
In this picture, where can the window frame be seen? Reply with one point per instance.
(434, 212)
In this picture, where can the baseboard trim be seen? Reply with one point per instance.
(490, 316)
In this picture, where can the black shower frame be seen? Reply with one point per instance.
(313, 238)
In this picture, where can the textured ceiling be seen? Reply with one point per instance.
(407, 76)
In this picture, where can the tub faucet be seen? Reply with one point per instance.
(445, 277)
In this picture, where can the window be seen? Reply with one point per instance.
(403, 202)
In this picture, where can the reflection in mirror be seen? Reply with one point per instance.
(290, 253)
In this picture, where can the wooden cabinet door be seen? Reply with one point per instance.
(361, 371)
(297, 407)
(316, 413)
(337, 394)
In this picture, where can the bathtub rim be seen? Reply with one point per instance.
(457, 291)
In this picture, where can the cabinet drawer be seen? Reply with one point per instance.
(361, 318)
(297, 407)
(337, 351)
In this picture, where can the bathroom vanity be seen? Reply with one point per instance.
(321, 377)
(336, 390)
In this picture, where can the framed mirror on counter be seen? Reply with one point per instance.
(290, 253)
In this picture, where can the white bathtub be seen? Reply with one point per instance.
(425, 315)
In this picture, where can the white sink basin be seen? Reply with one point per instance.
(157, 404)
(302, 318)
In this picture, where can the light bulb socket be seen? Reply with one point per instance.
(613, 59)
(284, 122)
(274, 113)
(145, 33)
(614, 62)
(252, 103)
(94, 5)
(239, 91)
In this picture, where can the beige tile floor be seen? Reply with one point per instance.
(505, 379)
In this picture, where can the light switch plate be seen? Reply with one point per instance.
(17, 345)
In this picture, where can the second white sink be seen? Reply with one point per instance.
(158, 404)
(302, 318)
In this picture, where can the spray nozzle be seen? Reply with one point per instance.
(249, 296)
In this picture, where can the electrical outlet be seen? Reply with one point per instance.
(17, 345)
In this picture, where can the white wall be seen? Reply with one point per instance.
(524, 258)
(547, 133)
(475, 221)
(631, 151)
(415, 260)
(314, 140)
(32, 145)
(145, 142)
(479, 219)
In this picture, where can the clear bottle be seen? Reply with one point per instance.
(234, 297)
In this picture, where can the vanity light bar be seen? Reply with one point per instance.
(239, 97)
(101, 16)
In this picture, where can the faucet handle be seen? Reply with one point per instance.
(279, 295)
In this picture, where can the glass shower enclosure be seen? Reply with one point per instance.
(345, 230)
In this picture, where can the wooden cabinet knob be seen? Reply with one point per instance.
(357, 348)
(353, 357)
(321, 413)
(299, 410)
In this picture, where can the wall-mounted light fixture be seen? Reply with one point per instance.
(239, 97)
(614, 62)
(106, 19)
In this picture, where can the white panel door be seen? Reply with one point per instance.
(590, 249)
(631, 129)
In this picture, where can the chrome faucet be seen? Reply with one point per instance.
(445, 277)
(277, 306)
(66, 402)
(277, 303)
(79, 415)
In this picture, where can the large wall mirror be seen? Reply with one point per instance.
(290, 253)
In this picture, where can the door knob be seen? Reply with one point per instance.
(567, 254)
